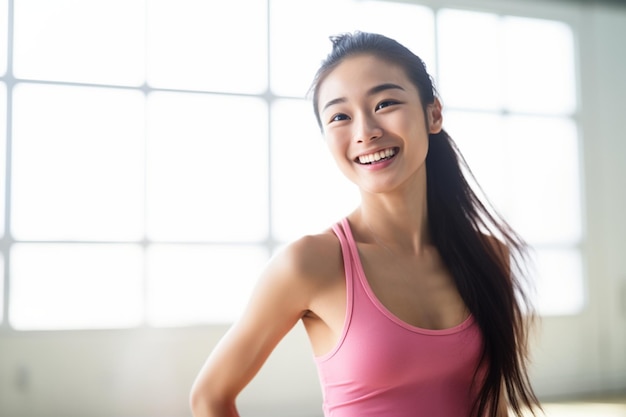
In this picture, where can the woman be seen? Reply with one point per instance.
(410, 303)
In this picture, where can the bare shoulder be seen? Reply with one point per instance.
(312, 260)
(296, 276)
(315, 265)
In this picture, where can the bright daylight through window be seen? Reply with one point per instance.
(156, 167)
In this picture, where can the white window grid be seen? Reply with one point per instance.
(272, 238)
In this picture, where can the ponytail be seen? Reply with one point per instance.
(464, 232)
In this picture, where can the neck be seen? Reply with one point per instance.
(399, 222)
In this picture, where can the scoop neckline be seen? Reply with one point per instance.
(465, 323)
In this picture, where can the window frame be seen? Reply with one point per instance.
(270, 244)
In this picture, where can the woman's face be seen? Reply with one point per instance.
(373, 123)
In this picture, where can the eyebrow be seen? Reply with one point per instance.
(372, 91)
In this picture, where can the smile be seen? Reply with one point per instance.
(377, 156)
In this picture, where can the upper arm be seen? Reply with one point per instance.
(280, 298)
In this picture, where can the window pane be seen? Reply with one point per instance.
(77, 163)
(3, 147)
(207, 167)
(75, 286)
(208, 45)
(309, 193)
(299, 40)
(539, 58)
(300, 30)
(559, 283)
(4, 23)
(469, 59)
(200, 284)
(411, 25)
(544, 167)
(479, 137)
(95, 41)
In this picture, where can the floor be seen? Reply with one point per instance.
(614, 406)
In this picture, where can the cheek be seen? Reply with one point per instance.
(338, 150)
(418, 131)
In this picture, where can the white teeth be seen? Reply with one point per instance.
(377, 156)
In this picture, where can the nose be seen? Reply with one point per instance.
(366, 129)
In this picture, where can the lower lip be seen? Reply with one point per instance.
(378, 165)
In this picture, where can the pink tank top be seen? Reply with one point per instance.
(384, 367)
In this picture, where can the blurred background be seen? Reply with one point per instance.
(155, 153)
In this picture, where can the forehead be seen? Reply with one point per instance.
(356, 75)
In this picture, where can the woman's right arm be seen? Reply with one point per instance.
(281, 297)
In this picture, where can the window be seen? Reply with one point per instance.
(514, 119)
(4, 23)
(153, 169)
(77, 173)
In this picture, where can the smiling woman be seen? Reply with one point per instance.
(420, 272)
(177, 153)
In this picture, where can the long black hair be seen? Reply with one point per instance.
(464, 228)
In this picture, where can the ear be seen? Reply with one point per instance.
(435, 118)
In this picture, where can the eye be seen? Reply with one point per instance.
(385, 103)
(338, 117)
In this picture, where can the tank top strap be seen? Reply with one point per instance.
(356, 282)
(348, 245)
(356, 272)
(350, 258)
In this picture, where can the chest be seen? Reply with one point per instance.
(417, 290)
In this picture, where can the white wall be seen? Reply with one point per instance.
(148, 372)
(604, 95)
(588, 352)
(145, 373)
